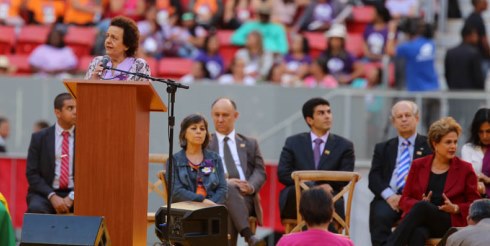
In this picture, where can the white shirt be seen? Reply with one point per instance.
(322, 145)
(474, 155)
(58, 141)
(233, 149)
(2, 141)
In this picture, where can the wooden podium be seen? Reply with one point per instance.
(111, 154)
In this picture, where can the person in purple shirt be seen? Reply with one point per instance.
(316, 207)
(341, 64)
(297, 62)
(211, 57)
(319, 15)
(54, 57)
(376, 34)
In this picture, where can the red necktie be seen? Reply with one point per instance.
(65, 161)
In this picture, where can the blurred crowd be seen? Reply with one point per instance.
(311, 43)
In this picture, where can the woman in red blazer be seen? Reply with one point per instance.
(438, 191)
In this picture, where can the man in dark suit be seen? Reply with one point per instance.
(386, 163)
(50, 162)
(318, 149)
(244, 166)
(4, 133)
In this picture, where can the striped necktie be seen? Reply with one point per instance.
(65, 161)
(403, 166)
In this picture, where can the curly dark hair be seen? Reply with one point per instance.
(481, 116)
(131, 34)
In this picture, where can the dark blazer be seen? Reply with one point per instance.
(384, 162)
(460, 186)
(184, 187)
(254, 170)
(41, 162)
(3, 149)
(297, 154)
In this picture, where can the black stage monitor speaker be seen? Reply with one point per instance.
(43, 229)
(194, 223)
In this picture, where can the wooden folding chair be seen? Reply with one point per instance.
(159, 186)
(302, 177)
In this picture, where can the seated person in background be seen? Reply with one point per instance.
(258, 61)
(297, 61)
(54, 58)
(316, 207)
(4, 133)
(7, 233)
(39, 125)
(389, 169)
(83, 12)
(45, 11)
(477, 150)
(376, 34)
(403, 8)
(340, 62)
(211, 57)
(319, 76)
(236, 74)
(319, 15)
(283, 11)
(189, 37)
(51, 162)
(318, 149)
(273, 34)
(10, 12)
(238, 12)
(477, 231)
(198, 72)
(208, 12)
(438, 191)
(198, 173)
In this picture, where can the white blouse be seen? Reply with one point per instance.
(474, 155)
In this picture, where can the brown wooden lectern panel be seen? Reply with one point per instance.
(111, 155)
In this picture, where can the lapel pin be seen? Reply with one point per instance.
(242, 145)
(419, 153)
(327, 152)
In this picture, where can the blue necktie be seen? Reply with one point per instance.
(403, 166)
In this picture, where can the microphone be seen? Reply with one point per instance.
(105, 60)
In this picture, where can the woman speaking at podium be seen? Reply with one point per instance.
(121, 43)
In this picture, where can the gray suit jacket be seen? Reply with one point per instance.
(476, 235)
(252, 165)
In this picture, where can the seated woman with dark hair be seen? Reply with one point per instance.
(477, 150)
(316, 207)
(198, 173)
(121, 43)
(438, 191)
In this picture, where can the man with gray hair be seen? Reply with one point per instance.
(478, 230)
(389, 169)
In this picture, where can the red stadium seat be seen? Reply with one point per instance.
(21, 63)
(227, 49)
(174, 68)
(7, 39)
(355, 44)
(361, 17)
(83, 63)
(81, 39)
(30, 37)
(153, 64)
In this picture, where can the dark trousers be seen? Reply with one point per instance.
(39, 204)
(239, 209)
(381, 219)
(424, 220)
(289, 211)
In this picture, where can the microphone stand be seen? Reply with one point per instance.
(172, 87)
